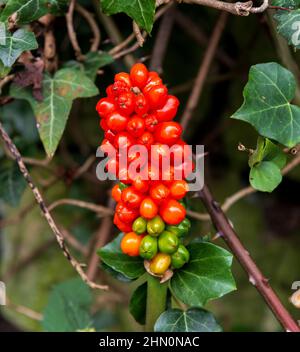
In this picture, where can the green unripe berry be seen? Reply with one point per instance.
(168, 242)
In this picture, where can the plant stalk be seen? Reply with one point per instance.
(156, 301)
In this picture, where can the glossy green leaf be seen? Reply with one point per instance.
(53, 112)
(68, 308)
(12, 184)
(137, 305)
(29, 10)
(142, 11)
(111, 255)
(92, 63)
(267, 106)
(118, 276)
(265, 176)
(207, 275)
(288, 22)
(267, 151)
(12, 45)
(192, 320)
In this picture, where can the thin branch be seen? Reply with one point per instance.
(99, 209)
(137, 32)
(162, 40)
(39, 199)
(237, 8)
(28, 312)
(195, 32)
(6, 80)
(203, 70)
(93, 25)
(50, 57)
(122, 45)
(74, 242)
(102, 237)
(71, 31)
(255, 275)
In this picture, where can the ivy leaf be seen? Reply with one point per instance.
(137, 304)
(267, 151)
(111, 255)
(52, 113)
(141, 11)
(12, 183)
(207, 275)
(68, 308)
(289, 21)
(92, 63)
(265, 176)
(267, 106)
(30, 10)
(118, 276)
(192, 320)
(13, 45)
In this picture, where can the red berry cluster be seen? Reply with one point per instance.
(139, 111)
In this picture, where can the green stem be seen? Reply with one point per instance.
(156, 301)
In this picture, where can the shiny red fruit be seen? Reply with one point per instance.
(105, 106)
(153, 80)
(146, 139)
(126, 103)
(109, 135)
(168, 132)
(120, 87)
(116, 193)
(141, 105)
(139, 75)
(136, 126)
(151, 123)
(103, 125)
(169, 110)
(122, 226)
(157, 96)
(172, 212)
(108, 148)
(140, 185)
(123, 140)
(117, 122)
(123, 76)
(126, 214)
(131, 197)
(159, 192)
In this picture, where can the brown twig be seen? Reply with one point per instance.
(71, 31)
(195, 32)
(237, 8)
(93, 25)
(39, 199)
(28, 312)
(137, 32)
(255, 275)
(99, 209)
(162, 40)
(203, 70)
(50, 57)
(101, 238)
(6, 80)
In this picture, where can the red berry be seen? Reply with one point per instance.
(123, 76)
(146, 139)
(104, 107)
(169, 110)
(109, 135)
(139, 75)
(157, 96)
(136, 126)
(120, 87)
(159, 192)
(172, 212)
(151, 122)
(141, 105)
(103, 125)
(126, 103)
(168, 132)
(117, 122)
(122, 226)
(153, 80)
(123, 140)
(140, 184)
(116, 193)
(126, 214)
(131, 197)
